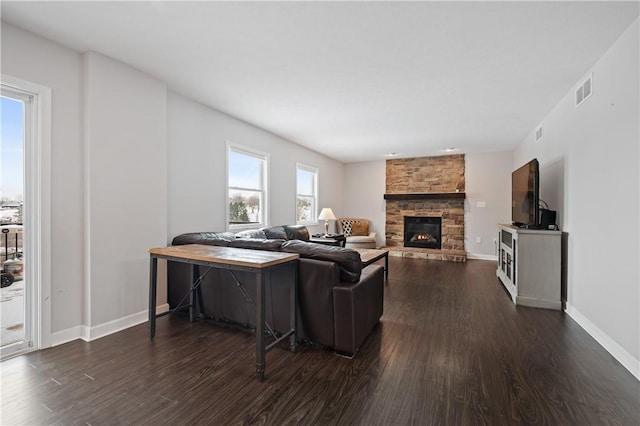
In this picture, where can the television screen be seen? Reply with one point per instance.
(524, 195)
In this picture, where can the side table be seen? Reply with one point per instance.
(329, 240)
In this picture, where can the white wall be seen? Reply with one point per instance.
(112, 129)
(108, 182)
(488, 181)
(589, 161)
(197, 168)
(32, 58)
(125, 185)
(364, 185)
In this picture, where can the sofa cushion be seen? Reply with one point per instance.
(257, 244)
(208, 238)
(348, 260)
(297, 232)
(359, 228)
(275, 232)
(361, 239)
(251, 233)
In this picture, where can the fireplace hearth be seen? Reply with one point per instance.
(423, 232)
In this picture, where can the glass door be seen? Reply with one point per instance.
(15, 299)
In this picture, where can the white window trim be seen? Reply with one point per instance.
(316, 171)
(231, 146)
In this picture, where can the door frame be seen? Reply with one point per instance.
(37, 214)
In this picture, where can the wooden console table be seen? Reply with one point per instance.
(259, 262)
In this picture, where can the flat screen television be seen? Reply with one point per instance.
(525, 195)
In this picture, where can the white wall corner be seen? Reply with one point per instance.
(69, 335)
(618, 352)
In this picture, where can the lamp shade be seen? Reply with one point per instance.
(327, 214)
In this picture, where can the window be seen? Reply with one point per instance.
(247, 188)
(306, 194)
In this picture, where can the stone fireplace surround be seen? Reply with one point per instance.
(429, 187)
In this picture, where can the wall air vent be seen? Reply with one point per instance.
(539, 133)
(585, 90)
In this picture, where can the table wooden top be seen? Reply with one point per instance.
(226, 255)
(367, 255)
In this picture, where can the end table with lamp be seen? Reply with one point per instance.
(328, 239)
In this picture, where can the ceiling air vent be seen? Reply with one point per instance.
(584, 91)
(539, 133)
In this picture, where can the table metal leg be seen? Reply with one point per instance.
(386, 265)
(260, 318)
(293, 311)
(153, 278)
(192, 297)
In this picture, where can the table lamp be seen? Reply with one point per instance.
(326, 214)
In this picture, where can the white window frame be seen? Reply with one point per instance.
(233, 147)
(314, 213)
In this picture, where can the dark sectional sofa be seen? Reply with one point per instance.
(339, 302)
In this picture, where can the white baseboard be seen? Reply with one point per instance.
(68, 335)
(482, 257)
(92, 333)
(610, 345)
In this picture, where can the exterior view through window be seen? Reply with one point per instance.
(247, 177)
(12, 302)
(306, 194)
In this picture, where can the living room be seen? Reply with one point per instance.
(134, 161)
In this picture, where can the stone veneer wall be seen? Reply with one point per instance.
(425, 174)
(444, 174)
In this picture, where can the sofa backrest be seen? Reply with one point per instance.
(257, 244)
(287, 232)
(347, 260)
(252, 233)
(208, 238)
(297, 232)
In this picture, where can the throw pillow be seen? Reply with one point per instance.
(346, 227)
(359, 228)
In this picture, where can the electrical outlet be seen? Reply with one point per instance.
(481, 204)
(478, 240)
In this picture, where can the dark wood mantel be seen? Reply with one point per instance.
(425, 196)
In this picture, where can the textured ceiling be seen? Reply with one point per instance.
(354, 80)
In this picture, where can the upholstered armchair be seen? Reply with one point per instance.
(356, 230)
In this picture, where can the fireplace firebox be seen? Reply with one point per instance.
(423, 232)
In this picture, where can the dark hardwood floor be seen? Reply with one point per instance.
(451, 350)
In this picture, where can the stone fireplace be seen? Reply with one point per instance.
(432, 190)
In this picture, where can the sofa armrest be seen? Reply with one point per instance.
(357, 309)
(316, 279)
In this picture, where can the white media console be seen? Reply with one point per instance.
(529, 265)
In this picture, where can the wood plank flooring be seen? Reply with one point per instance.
(451, 349)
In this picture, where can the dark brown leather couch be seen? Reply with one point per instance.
(339, 302)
